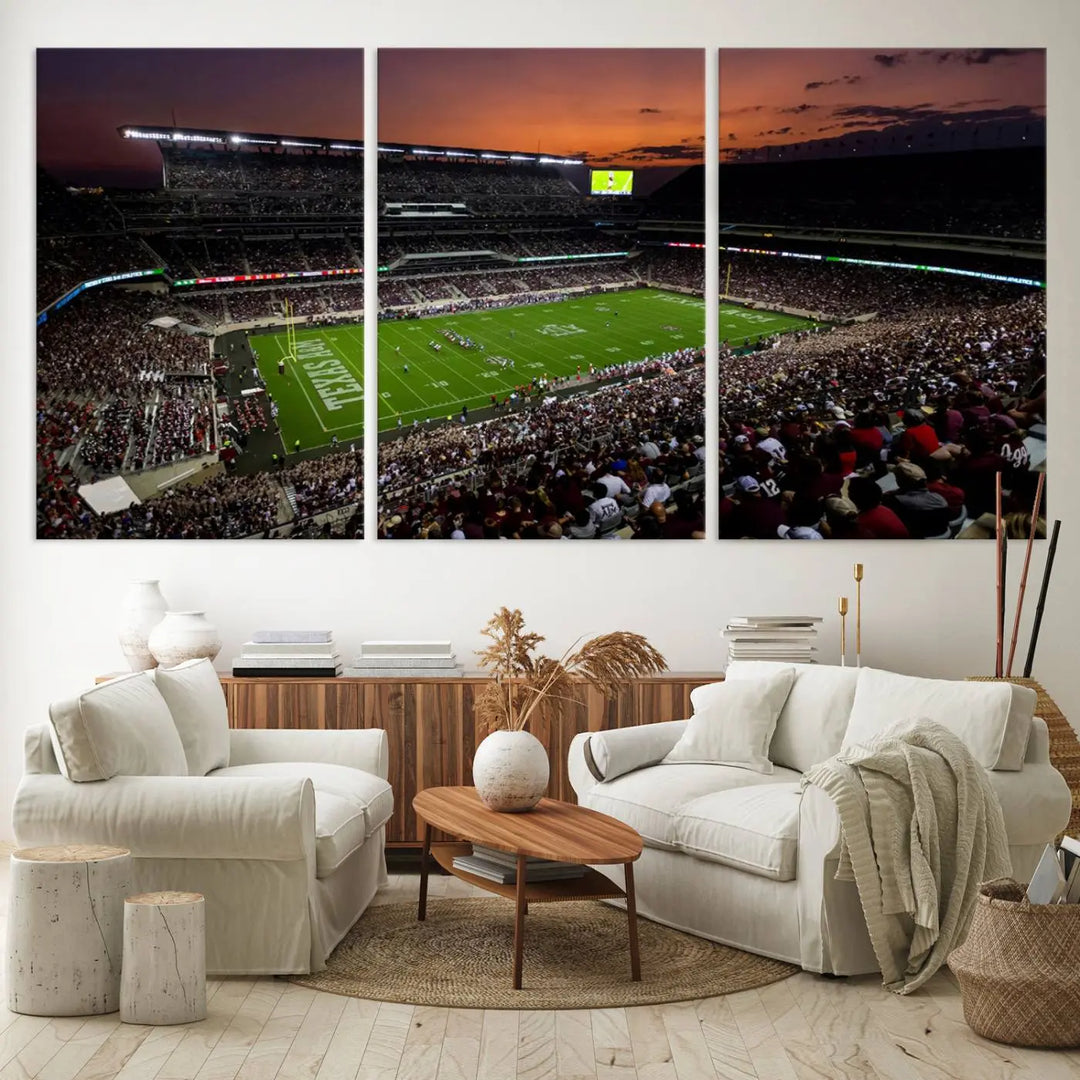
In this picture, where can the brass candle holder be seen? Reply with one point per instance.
(842, 608)
(858, 573)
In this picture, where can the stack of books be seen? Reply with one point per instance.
(1057, 877)
(293, 653)
(404, 660)
(501, 866)
(786, 638)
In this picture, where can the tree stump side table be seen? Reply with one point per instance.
(65, 929)
(164, 977)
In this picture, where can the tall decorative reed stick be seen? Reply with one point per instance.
(1024, 572)
(1037, 624)
(999, 610)
(841, 607)
(858, 614)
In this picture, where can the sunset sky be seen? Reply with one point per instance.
(776, 97)
(636, 107)
(85, 94)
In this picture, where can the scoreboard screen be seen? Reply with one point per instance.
(612, 182)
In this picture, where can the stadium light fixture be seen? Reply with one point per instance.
(390, 150)
(561, 161)
(521, 157)
(234, 138)
(293, 142)
(344, 146)
(494, 157)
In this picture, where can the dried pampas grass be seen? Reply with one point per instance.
(526, 685)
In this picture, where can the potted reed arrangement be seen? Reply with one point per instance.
(510, 767)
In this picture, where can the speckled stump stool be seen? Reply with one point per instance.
(65, 929)
(164, 977)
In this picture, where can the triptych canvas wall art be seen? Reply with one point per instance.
(541, 265)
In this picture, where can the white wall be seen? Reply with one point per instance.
(928, 607)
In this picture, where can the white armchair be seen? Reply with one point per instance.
(285, 842)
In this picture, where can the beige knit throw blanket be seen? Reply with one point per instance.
(921, 829)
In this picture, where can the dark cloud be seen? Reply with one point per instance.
(742, 111)
(889, 60)
(977, 101)
(732, 135)
(847, 80)
(776, 131)
(795, 110)
(979, 56)
(646, 109)
(667, 152)
(870, 113)
(865, 115)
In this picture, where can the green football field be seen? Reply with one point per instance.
(553, 340)
(321, 395)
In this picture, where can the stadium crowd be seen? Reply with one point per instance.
(839, 290)
(887, 429)
(579, 468)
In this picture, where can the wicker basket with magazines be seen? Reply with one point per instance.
(1019, 969)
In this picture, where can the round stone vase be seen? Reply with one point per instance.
(184, 635)
(144, 607)
(510, 771)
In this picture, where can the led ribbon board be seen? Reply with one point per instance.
(231, 279)
(981, 275)
(92, 283)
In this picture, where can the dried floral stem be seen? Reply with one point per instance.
(527, 685)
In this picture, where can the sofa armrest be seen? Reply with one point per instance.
(1038, 747)
(171, 817)
(1035, 803)
(361, 748)
(597, 756)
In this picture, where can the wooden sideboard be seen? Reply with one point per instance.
(431, 726)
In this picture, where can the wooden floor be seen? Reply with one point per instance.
(803, 1027)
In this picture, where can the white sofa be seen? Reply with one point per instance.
(749, 859)
(283, 833)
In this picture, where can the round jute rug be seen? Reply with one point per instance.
(576, 957)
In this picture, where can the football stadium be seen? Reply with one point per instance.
(200, 365)
(541, 338)
(923, 379)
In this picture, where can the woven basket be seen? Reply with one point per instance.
(1019, 969)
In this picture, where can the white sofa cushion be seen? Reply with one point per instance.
(733, 722)
(119, 728)
(811, 725)
(340, 828)
(365, 792)
(651, 800)
(992, 719)
(193, 692)
(751, 828)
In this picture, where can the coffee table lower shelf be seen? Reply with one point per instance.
(592, 886)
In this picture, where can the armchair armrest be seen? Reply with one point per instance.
(172, 817)
(603, 755)
(361, 748)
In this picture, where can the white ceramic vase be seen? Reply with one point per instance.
(184, 635)
(144, 607)
(510, 771)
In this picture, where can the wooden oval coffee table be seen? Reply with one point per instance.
(552, 830)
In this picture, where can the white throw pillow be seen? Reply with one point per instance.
(733, 722)
(121, 728)
(193, 692)
(992, 719)
(812, 722)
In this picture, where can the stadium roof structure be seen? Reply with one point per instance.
(237, 140)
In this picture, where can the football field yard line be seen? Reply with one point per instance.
(635, 334)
